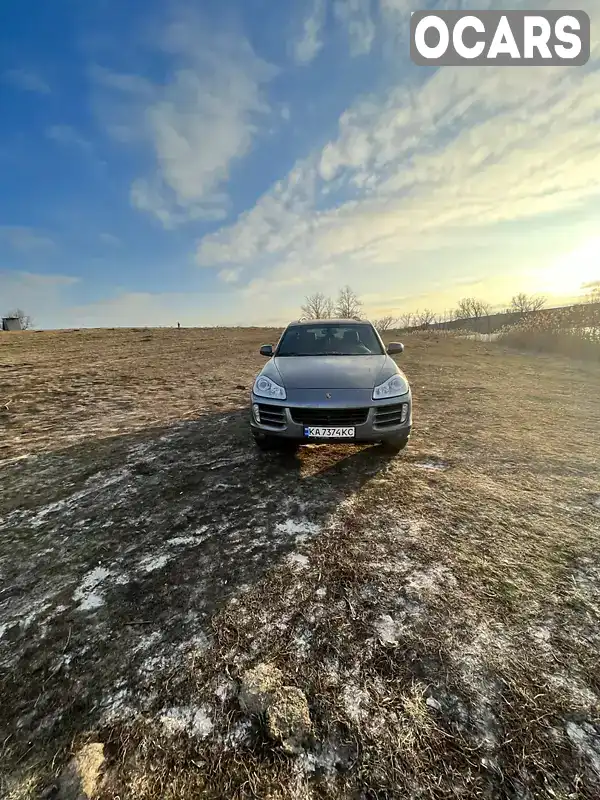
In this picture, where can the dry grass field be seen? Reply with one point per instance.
(440, 609)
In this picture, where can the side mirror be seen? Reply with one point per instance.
(395, 348)
(266, 350)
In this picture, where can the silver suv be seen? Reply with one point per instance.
(331, 380)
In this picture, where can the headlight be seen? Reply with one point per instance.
(265, 387)
(393, 387)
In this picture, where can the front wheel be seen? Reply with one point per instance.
(394, 445)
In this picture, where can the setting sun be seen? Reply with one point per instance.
(572, 271)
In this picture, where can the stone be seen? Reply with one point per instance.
(81, 778)
(433, 703)
(258, 687)
(288, 718)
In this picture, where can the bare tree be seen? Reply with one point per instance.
(472, 308)
(447, 317)
(425, 317)
(406, 319)
(25, 320)
(521, 303)
(348, 306)
(317, 306)
(385, 323)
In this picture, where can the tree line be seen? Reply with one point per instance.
(349, 306)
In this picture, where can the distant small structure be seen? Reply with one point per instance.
(178, 325)
(11, 324)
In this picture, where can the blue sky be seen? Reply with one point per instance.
(213, 162)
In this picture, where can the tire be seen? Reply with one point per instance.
(394, 445)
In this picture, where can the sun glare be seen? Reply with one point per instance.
(571, 271)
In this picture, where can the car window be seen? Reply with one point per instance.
(343, 340)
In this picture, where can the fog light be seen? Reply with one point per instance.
(256, 412)
(404, 414)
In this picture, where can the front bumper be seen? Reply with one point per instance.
(381, 422)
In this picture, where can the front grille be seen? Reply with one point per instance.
(271, 415)
(388, 416)
(329, 416)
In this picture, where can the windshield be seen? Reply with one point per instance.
(329, 340)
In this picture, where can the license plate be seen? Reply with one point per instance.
(329, 433)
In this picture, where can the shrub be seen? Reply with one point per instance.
(572, 332)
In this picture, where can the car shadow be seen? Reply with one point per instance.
(116, 553)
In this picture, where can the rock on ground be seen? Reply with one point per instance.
(81, 777)
(258, 687)
(288, 718)
(286, 708)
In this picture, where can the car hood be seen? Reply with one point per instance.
(333, 372)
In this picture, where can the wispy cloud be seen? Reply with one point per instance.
(198, 123)
(424, 164)
(355, 16)
(34, 281)
(69, 137)
(26, 240)
(27, 80)
(305, 48)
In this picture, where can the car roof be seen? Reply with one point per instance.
(307, 322)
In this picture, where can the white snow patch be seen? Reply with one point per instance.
(198, 642)
(541, 635)
(152, 563)
(292, 527)
(3, 628)
(354, 700)
(102, 480)
(115, 704)
(431, 581)
(145, 642)
(585, 739)
(236, 735)
(154, 664)
(302, 643)
(224, 691)
(436, 466)
(187, 718)
(87, 593)
(45, 511)
(36, 609)
(327, 759)
(388, 630)
(93, 485)
(183, 540)
(298, 559)
(575, 689)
